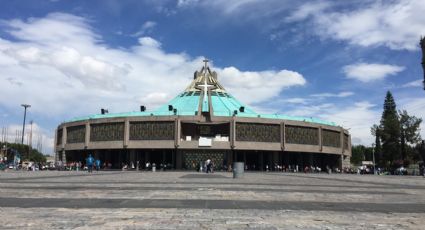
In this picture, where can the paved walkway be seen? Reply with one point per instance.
(188, 200)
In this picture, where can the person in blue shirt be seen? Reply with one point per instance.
(97, 162)
(90, 162)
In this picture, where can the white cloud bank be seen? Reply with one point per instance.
(253, 87)
(368, 72)
(63, 69)
(395, 24)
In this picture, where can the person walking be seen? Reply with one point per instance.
(89, 162)
(208, 165)
(97, 164)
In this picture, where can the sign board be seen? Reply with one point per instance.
(205, 142)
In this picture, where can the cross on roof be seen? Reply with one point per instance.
(206, 63)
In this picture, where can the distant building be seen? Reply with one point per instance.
(204, 122)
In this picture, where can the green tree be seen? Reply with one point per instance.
(360, 153)
(389, 131)
(378, 148)
(357, 154)
(34, 155)
(409, 132)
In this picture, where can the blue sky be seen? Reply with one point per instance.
(333, 60)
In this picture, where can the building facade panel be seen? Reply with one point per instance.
(152, 130)
(301, 135)
(255, 132)
(331, 138)
(107, 132)
(76, 134)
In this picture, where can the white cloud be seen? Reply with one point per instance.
(307, 10)
(148, 41)
(146, 28)
(296, 100)
(260, 85)
(416, 83)
(395, 24)
(185, 3)
(63, 69)
(366, 72)
(340, 95)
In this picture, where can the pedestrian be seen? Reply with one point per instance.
(208, 165)
(97, 164)
(90, 162)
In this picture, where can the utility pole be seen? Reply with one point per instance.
(30, 140)
(422, 44)
(23, 125)
(373, 158)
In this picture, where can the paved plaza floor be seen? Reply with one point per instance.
(191, 200)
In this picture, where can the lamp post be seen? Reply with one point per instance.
(373, 158)
(23, 125)
(4, 153)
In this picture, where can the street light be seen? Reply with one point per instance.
(23, 125)
(373, 158)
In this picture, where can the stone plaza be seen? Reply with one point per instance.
(192, 200)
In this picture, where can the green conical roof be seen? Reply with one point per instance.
(205, 95)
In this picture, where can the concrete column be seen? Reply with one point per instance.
(63, 156)
(341, 140)
(232, 133)
(64, 132)
(320, 139)
(282, 136)
(87, 135)
(126, 132)
(177, 132)
(349, 146)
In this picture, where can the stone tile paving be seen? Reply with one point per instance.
(189, 200)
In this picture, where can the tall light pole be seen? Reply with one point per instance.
(373, 158)
(422, 44)
(23, 125)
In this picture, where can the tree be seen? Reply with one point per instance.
(389, 131)
(357, 154)
(409, 131)
(378, 148)
(360, 153)
(34, 155)
(396, 135)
